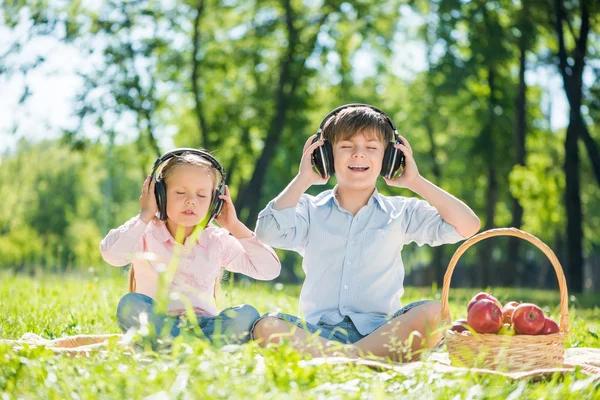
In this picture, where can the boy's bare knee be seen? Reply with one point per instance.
(265, 329)
(433, 309)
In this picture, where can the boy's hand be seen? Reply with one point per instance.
(306, 172)
(148, 207)
(410, 171)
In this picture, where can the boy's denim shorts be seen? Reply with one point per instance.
(344, 331)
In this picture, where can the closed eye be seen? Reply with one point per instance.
(201, 195)
(180, 192)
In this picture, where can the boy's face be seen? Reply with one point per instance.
(189, 194)
(358, 160)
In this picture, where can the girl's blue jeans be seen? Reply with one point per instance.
(232, 325)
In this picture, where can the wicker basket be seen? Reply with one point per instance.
(501, 352)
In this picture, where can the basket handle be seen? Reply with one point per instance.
(562, 283)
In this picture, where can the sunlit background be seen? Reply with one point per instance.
(92, 92)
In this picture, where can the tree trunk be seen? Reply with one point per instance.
(485, 264)
(250, 198)
(485, 255)
(573, 202)
(511, 275)
(572, 74)
(437, 267)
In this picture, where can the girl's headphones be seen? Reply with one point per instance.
(393, 158)
(160, 189)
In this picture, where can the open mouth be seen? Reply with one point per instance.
(189, 212)
(358, 168)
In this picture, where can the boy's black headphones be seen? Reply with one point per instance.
(160, 189)
(322, 157)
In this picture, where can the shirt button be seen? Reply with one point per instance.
(345, 286)
(349, 262)
(382, 234)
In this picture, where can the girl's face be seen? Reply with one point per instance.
(189, 194)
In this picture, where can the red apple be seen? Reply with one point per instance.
(507, 311)
(549, 328)
(528, 319)
(460, 325)
(480, 296)
(485, 317)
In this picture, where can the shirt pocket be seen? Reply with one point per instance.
(380, 253)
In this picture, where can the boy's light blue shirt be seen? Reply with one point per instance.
(352, 264)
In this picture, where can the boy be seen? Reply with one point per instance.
(351, 237)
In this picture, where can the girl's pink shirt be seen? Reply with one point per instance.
(151, 248)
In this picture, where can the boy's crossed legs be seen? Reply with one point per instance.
(403, 338)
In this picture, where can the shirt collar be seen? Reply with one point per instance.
(379, 199)
(375, 197)
(162, 234)
(326, 197)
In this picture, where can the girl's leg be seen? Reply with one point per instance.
(406, 336)
(81, 340)
(133, 304)
(64, 342)
(232, 325)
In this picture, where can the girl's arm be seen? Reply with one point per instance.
(250, 257)
(243, 252)
(120, 245)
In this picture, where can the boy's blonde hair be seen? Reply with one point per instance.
(352, 121)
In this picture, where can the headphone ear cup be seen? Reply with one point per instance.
(161, 199)
(393, 159)
(216, 206)
(322, 159)
(329, 153)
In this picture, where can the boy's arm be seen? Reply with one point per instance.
(306, 178)
(120, 245)
(284, 222)
(451, 209)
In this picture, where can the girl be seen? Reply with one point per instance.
(181, 246)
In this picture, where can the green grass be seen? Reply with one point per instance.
(55, 306)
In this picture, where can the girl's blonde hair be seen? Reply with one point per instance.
(190, 159)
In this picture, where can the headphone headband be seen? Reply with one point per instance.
(178, 152)
(340, 108)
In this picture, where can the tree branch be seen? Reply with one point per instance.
(204, 139)
(581, 42)
(562, 51)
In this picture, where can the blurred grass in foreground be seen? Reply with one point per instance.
(54, 306)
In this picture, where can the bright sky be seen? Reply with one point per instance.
(54, 85)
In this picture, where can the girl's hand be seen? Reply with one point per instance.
(228, 218)
(306, 171)
(410, 172)
(148, 206)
